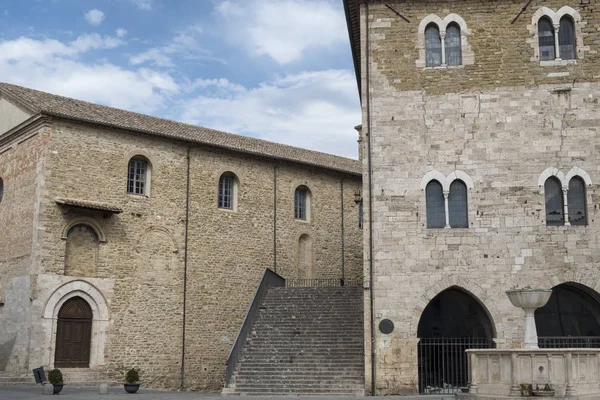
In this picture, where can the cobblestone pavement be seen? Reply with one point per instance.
(73, 393)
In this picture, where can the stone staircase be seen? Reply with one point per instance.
(75, 377)
(305, 341)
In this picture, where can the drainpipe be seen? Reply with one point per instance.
(185, 263)
(370, 183)
(275, 218)
(343, 238)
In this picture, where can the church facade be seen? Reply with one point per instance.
(132, 241)
(481, 125)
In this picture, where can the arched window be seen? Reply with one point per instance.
(546, 39)
(302, 203)
(433, 46)
(554, 202)
(227, 191)
(453, 45)
(566, 38)
(137, 177)
(457, 205)
(576, 200)
(436, 209)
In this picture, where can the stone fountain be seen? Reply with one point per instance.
(529, 300)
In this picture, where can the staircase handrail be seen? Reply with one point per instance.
(269, 279)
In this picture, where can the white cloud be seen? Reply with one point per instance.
(143, 4)
(55, 67)
(315, 110)
(186, 44)
(94, 17)
(286, 29)
(121, 33)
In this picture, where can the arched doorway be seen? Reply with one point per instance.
(73, 334)
(571, 318)
(451, 323)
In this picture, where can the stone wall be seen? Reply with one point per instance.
(502, 120)
(21, 163)
(140, 261)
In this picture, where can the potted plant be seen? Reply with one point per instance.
(56, 379)
(131, 381)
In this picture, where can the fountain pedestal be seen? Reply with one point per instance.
(529, 300)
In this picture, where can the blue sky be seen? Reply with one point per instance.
(279, 70)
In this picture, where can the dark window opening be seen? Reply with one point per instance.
(566, 39)
(433, 46)
(436, 208)
(452, 45)
(136, 179)
(457, 205)
(576, 199)
(554, 202)
(546, 39)
(300, 203)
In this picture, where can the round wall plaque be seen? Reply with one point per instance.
(386, 326)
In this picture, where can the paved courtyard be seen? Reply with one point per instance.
(72, 393)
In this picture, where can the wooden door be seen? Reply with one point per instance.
(73, 334)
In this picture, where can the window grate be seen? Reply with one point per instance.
(300, 204)
(226, 187)
(136, 181)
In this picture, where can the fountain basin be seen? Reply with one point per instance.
(529, 298)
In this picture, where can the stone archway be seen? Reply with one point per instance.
(73, 334)
(571, 318)
(451, 323)
(99, 324)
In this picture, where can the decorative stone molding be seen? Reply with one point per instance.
(100, 320)
(547, 173)
(468, 287)
(90, 222)
(468, 56)
(533, 39)
(576, 171)
(446, 181)
(174, 246)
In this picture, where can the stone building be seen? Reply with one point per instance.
(481, 123)
(133, 241)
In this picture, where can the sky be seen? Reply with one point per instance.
(279, 70)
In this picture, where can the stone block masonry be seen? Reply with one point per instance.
(501, 119)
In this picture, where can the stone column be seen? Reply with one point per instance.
(570, 390)
(443, 38)
(473, 369)
(515, 390)
(556, 43)
(566, 209)
(446, 194)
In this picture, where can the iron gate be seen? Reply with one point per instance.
(443, 366)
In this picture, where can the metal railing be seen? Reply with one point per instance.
(443, 364)
(322, 282)
(569, 342)
(270, 279)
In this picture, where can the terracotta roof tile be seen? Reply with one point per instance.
(64, 107)
(92, 205)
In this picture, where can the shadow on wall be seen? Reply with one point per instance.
(5, 351)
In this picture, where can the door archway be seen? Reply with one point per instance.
(571, 318)
(454, 321)
(73, 334)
